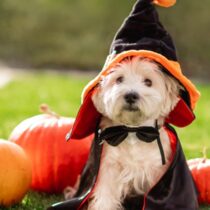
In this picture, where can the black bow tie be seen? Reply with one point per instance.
(116, 135)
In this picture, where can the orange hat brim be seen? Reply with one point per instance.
(173, 68)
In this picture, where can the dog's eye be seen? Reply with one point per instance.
(148, 82)
(119, 79)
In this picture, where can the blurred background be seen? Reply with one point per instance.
(76, 34)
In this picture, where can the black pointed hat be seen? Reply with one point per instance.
(142, 30)
(141, 34)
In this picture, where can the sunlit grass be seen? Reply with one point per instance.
(21, 98)
(197, 136)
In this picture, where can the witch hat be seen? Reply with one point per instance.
(141, 34)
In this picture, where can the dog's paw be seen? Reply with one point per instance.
(69, 192)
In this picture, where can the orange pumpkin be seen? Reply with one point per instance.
(55, 162)
(200, 169)
(15, 173)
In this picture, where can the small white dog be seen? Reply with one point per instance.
(136, 93)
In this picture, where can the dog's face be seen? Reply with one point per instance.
(136, 91)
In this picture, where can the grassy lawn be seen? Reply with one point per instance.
(21, 99)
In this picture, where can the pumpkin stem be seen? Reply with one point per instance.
(44, 108)
(204, 153)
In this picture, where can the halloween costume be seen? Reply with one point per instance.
(141, 34)
(174, 191)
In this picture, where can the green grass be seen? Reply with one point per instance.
(35, 201)
(197, 136)
(21, 99)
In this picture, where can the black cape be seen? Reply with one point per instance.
(174, 191)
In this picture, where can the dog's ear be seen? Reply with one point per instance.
(179, 112)
(172, 88)
(97, 95)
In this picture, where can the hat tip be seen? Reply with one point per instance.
(165, 3)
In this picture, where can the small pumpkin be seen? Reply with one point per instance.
(56, 163)
(15, 173)
(200, 169)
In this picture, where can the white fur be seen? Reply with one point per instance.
(134, 166)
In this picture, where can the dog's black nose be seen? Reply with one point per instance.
(131, 97)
